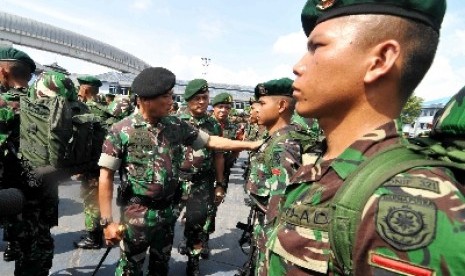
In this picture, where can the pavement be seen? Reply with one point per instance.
(226, 255)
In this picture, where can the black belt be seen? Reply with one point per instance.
(195, 177)
(150, 202)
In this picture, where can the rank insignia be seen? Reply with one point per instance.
(406, 222)
(325, 4)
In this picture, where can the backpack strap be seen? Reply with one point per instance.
(350, 200)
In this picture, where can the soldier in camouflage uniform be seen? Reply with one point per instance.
(88, 93)
(147, 147)
(197, 179)
(274, 162)
(407, 224)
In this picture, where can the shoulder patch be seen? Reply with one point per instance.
(417, 182)
(406, 222)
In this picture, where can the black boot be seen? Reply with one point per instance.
(192, 268)
(205, 253)
(12, 251)
(93, 240)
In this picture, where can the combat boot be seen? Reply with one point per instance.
(12, 251)
(205, 253)
(192, 268)
(182, 247)
(93, 240)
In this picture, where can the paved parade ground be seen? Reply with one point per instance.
(226, 255)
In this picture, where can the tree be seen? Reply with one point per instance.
(412, 109)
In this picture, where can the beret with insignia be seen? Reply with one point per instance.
(429, 12)
(278, 87)
(195, 86)
(89, 80)
(153, 82)
(222, 98)
(12, 54)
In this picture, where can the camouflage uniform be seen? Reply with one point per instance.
(150, 157)
(197, 181)
(267, 182)
(299, 242)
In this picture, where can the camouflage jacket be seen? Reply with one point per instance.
(269, 179)
(120, 108)
(150, 154)
(9, 116)
(98, 109)
(199, 161)
(253, 132)
(229, 130)
(402, 227)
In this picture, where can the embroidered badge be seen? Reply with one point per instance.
(276, 171)
(325, 4)
(406, 222)
(397, 266)
(262, 90)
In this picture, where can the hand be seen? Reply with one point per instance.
(113, 233)
(256, 144)
(219, 195)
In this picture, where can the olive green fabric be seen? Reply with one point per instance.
(195, 86)
(429, 12)
(222, 98)
(12, 54)
(277, 87)
(89, 80)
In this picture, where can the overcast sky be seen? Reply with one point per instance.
(247, 41)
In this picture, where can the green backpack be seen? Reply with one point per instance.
(60, 133)
(444, 148)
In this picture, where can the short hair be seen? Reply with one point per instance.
(19, 70)
(418, 40)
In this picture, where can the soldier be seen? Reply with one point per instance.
(16, 69)
(274, 162)
(200, 191)
(400, 229)
(109, 98)
(92, 239)
(147, 146)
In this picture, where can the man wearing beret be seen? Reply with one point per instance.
(147, 146)
(31, 230)
(272, 165)
(200, 191)
(405, 228)
(92, 239)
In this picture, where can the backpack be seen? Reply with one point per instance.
(444, 148)
(60, 133)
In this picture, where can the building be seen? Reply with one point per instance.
(424, 122)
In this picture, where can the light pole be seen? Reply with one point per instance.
(205, 63)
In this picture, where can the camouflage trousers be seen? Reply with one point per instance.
(200, 213)
(89, 194)
(31, 229)
(146, 229)
(260, 239)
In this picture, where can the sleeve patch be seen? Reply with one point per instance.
(398, 266)
(276, 171)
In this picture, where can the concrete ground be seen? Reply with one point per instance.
(226, 255)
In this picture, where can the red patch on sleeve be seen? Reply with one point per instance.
(276, 171)
(398, 266)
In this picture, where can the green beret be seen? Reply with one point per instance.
(194, 87)
(89, 80)
(279, 87)
(429, 12)
(153, 82)
(222, 98)
(12, 54)
(52, 84)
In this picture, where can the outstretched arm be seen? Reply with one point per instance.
(221, 143)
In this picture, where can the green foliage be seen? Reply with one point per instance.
(412, 110)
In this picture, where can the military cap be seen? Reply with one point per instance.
(222, 98)
(12, 54)
(195, 86)
(89, 80)
(429, 12)
(153, 82)
(278, 87)
(52, 84)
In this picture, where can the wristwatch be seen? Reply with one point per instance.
(104, 222)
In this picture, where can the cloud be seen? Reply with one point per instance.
(293, 44)
(141, 4)
(211, 29)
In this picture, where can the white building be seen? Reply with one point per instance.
(424, 122)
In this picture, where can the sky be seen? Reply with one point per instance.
(247, 42)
